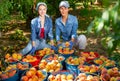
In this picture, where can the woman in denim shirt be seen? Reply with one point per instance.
(66, 28)
(41, 29)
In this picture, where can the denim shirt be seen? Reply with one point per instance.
(36, 28)
(67, 31)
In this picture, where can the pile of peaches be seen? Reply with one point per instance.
(110, 74)
(84, 77)
(89, 55)
(54, 57)
(61, 77)
(11, 70)
(7, 74)
(45, 51)
(66, 49)
(29, 58)
(75, 60)
(13, 58)
(104, 61)
(88, 69)
(34, 75)
(52, 66)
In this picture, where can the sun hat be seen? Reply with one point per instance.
(64, 3)
(40, 3)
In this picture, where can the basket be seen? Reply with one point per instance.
(90, 58)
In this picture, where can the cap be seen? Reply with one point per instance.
(64, 3)
(40, 3)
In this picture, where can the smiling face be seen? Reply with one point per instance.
(42, 10)
(64, 11)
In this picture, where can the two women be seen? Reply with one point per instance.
(66, 27)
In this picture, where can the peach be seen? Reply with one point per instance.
(39, 73)
(70, 76)
(7, 55)
(14, 55)
(24, 78)
(67, 44)
(29, 74)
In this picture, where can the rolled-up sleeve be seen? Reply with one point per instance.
(50, 34)
(57, 32)
(33, 35)
(75, 27)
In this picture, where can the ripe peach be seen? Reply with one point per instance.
(29, 74)
(19, 56)
(105, 77)
(24, 78)
(39, 73)
(7, 55)
(14, 55)
(70, 76)
(34, 78)
(92, 70)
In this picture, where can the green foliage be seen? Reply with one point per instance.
(18, 35)
(5, 8)
(109, 24)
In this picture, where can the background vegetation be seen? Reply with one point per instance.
(95, 16)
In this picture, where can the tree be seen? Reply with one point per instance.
(108, 26)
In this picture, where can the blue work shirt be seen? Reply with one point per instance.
(36, 28)
(67, 31)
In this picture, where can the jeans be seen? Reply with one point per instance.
(39, 44)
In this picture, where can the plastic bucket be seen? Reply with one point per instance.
(72, 68)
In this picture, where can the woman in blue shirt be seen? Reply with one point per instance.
(66, 28)
(41, 29)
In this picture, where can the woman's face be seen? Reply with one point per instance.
(64, 11)
(42, 10)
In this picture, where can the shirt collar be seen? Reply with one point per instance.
(67, 18)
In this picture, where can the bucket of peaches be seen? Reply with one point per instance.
(89, 69)
(105, 62)
(33, 74)
(65, 51)
(13, 58)
(90, 56)
(32, 60)
(41, 53)
(73, 62)
(50, 66)
(9, 73)
(52, 57)
(64, 75)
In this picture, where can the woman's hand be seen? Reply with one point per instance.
(52, 43)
